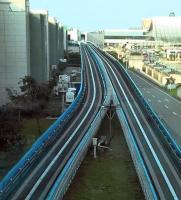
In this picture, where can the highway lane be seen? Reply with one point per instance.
(159, 159)
(38, 182)
(167, 107)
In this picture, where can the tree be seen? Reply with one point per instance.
(9, 125)
(32, 97)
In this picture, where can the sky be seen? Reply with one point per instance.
(101, 14)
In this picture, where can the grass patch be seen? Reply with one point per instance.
(172, 92)
(10, 155)
(109, 177)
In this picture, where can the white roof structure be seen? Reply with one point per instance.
(167, 29)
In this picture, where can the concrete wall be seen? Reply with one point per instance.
(56, 42)
(14, 44)
(158, 76)
(61, 39)
(39, 45)
(29, 45)
(136, 62)
(53, 41)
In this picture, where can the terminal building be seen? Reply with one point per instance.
(118, 37)
(154, 32)
(56, 41)
(39, 45)
(14, 44)
(164, 30)
(46, 44)
(31, 43)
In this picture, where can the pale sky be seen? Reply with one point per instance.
(101, 14)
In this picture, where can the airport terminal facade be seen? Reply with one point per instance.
(155, 31)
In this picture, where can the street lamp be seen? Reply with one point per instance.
(111, 108)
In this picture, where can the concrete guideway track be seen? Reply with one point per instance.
(42, 176)
(159, 159)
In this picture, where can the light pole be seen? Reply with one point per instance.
(111, 108)
(127, 60)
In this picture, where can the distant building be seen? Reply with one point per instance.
(74, 34)
(97, 38)
(62, 41)
(56, 42)
(31, 43)
(53, 40)
(164, 29)
(47, 44)
(155, 31)
(83, 36)
(39, 45)
(116, 37)
(14, 44)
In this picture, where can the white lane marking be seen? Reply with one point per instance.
(166, 106)
(144, 89)
(174, 113)
(159, 101)
(157, 88)
(61, 150)
(153, 96)
(167, 100)
(146, 138)
(148, 92)
(149, 100)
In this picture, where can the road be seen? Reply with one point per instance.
(36, 182)
(167, 107)
(162, 164)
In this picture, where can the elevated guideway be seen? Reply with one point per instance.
(160, 154)
(47, 169)
(35, 176)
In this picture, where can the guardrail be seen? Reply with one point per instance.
(66, 176)
(174, 146)
(40, 145)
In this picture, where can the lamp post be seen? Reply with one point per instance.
(94, 142)
(111, 108)
(127, 59)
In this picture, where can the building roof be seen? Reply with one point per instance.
(166, 29)
(124, 32)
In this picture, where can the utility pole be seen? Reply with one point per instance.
(111, 108)
(94, 141)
